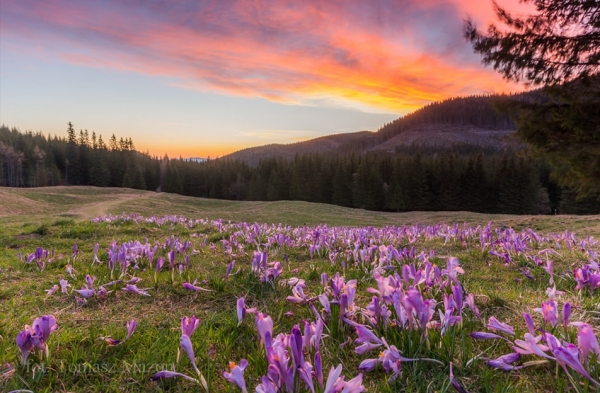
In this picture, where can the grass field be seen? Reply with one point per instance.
(312, 239)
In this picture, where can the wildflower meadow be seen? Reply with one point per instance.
(167, 303)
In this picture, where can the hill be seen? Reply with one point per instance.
(464, 121)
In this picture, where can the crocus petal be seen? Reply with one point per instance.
(241, 310)
(354, 385)
(486, 336)
(131, 325)
(171, 374)
(334, 374)
(186, 344)
(192, 287)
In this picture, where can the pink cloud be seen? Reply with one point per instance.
(384, 55)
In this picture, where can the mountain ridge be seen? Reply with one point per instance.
(471, 120)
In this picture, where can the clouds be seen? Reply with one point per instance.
(385, 55)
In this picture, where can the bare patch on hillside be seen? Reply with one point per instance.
(449, 134)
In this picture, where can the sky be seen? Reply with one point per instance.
(205, 78)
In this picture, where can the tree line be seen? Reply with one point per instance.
(34, 160)
(460, 177)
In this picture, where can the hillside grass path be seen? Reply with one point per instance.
(97, 209)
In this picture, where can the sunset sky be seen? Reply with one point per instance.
(206, 78)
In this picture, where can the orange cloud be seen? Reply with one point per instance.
(388, 55)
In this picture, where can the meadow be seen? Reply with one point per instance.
(108, 290)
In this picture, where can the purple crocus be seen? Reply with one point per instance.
(24, 343)
(566, 314)
(131, 325)
(229, 269)
(171, 374)
(354, 385)
(133, 288)
(470, 300)
(193, 287)
(52, 291)
(264, 325)
(486, 336)
(85, 292)
(242, 310)
(266, 386)
(63, 285)
(586, 340)
(505, 362)
(36, 335)
(494, 324)
(236, 376)
(189, 325)
(567, 356)
(319, 368)
(160, 262)
(549, 312)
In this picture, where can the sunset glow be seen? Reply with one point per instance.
(207, 78)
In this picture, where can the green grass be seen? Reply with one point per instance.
(80, 361)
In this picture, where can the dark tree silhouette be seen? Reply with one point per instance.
(558, 47)
(558, 43)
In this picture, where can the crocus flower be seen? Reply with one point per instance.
(505, 362)
(242, 310)
(567, 356)
(90, 281)
(36, 335)
(96, 247)
(470, 300)
(41, 328)
(133, 288)
(354, 385)
(193, 287)
(368, 364)
(529, 323)
(264, 325)
(63, 285)
(52, 291)
(85, 292)
(549, 312)
(131, 325)
(236, 375)
(24, 343)
(229, 269)
(171, 374)
(159, 264)
(566, 314)
(189, 325)
(586, 340)
(486, 336)
(266, 386)
(494, 324)
(531, 347)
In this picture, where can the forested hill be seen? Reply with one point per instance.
(455, 121)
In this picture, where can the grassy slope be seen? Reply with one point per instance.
(46, 204)
(51, 218)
